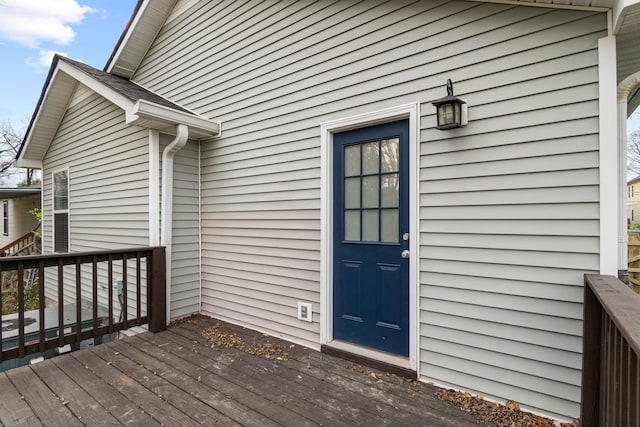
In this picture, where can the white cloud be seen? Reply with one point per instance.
(30, 22)
(44, 59)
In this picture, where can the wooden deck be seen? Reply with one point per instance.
(176, 378)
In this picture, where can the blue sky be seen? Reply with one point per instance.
(32, 30)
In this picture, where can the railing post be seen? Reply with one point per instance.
(591, 349)
(156, 292)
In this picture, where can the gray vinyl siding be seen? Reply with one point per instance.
(185, 263)
(108, 165)
(508, 205)
(108, 188)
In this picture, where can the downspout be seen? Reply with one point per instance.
(182, 135)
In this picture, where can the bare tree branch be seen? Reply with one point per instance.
(10, 143)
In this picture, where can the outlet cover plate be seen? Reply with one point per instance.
(305, 311)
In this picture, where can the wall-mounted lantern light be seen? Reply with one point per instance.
(451, 111)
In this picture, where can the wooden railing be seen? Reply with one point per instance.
(633, 255)
(611, 354)
(23, 245)
(77, 314)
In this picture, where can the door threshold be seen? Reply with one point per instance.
(387, 362)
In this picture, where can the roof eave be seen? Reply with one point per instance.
(154, 116)
(143, 27)
(55, 99)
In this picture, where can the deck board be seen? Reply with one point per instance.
(86, 408)
(13, 409)
(116, 403)
(176, 378)
(48, 407)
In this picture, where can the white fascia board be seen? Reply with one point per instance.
(139, 36)
(29, 163)
(198, 126)
(21, 161)
(126, 40)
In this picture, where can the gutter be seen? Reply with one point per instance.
(166, 218)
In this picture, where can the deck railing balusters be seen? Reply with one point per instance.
(95, 323)
(78, 300)
(110, 290)
(42, 302)
(125, 292)
(138, 287)
(20, 309)
(60, 303)
(94, 283)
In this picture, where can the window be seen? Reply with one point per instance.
(372, 191)
(61, 211)
(5, 217)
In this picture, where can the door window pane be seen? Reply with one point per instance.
(390, 158)
(370, 158)
(390, 232)
(352, 225)
(352, 160)
(370, 191)
(370, 226)
(390, 190)
(352, 193)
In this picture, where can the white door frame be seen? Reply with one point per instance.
(406, 111)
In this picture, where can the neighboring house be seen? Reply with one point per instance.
(633, 201)
(306, 173)
(17, 221)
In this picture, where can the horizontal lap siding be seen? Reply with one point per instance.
(509, 218)
(108, 165)
(508, 204)
(185, 258)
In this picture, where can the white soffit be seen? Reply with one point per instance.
(138, 36)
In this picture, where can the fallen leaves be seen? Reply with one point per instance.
(493, 413)
(217, 338)
(268, 351)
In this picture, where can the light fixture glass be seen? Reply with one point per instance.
(449, 110)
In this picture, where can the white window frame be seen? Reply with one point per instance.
(59, 211)
(5, 217)
(411, 112)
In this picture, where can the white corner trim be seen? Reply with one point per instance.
(608, 153)
(154, 188)
(409, 111)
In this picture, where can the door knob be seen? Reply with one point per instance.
(405, 254)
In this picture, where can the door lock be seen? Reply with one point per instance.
(405, 237)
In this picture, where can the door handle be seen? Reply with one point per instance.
(405, 254)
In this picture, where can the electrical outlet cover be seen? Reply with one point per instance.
(305, 311)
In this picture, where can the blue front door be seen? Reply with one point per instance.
(371, 217)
